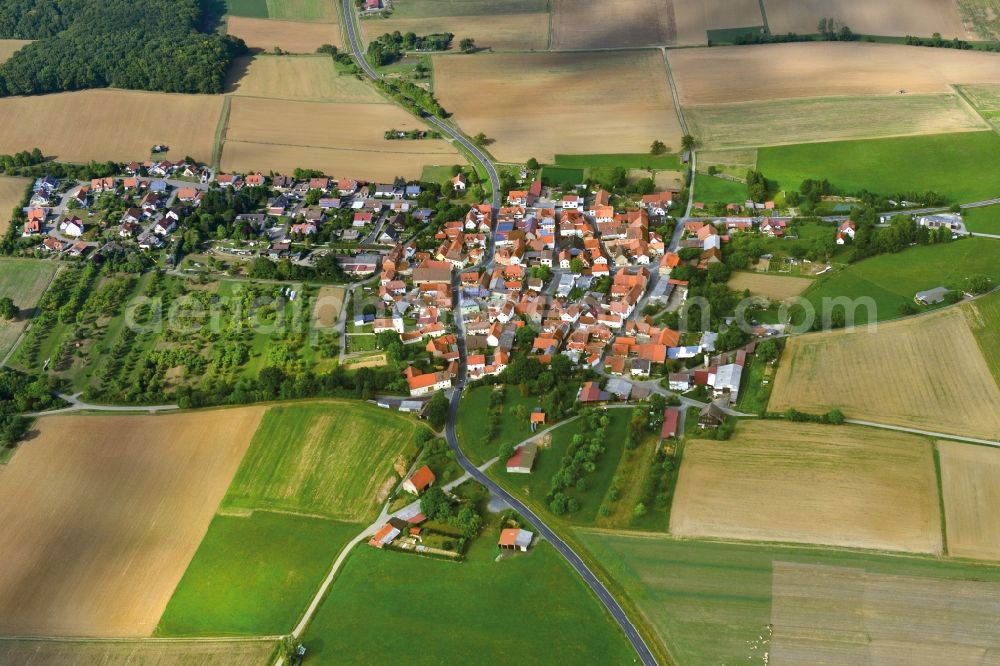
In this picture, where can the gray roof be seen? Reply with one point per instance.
(931, 296)
(523, 539)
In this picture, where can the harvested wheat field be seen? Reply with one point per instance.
(844, 615)
(924, 372)
(808, 483)
(281, 135)
(11, 192)
(289, 36)
(818, 69)
(307, 78)
(773, 287)
(557, 90)
(148, 653)
(696, 17)
(970, 483)
(752, 124)
(594, 24)
(896, 18)
(499, 32)
(9, 46)
(119, 125)
(329, 303)
(102, 515)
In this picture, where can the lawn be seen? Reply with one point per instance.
(984, 220)
(961, 166)
(23, 281)
(332, 459)
(248, 8)
(754, 393)
(892, 279)
(526, 609)
(709, 189)
(472, 421)
(708, 601)
(557, 175)
(243, 561)
(534, 486)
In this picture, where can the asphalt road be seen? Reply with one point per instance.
(350, 21)
(643, 651)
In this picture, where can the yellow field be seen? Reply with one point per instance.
(340, 139)
(290, 36)
(774, 287)
(147, 653)
(308, 78)
(9, 46)
(808, 483)
(102, 515)
(118, 125)
(499, 32)
(925, 372)
(752, 124)
(844, 616)
(329, 303)
(970, 483)
(696, 17)
(921, 18)
(775, 71)
(610, 102)
(11, 192)
(598, 25)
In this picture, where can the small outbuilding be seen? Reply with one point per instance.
(515, 539)
(711, 416)
(669, 429)
(931, 296)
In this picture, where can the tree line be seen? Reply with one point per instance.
(134, 44)
(392, 46)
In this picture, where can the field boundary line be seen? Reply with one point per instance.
(926, 433)
(143, 639)
(220, 132)
(940, 489)
(975, 109)
(763, 16)
(346, 150)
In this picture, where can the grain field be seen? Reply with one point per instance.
(774, 287)
(9, 46)
(289, 36)
(896, 18)
(147, 653)
(623, 23)
(970, 483)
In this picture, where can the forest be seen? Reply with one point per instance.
(133, 44)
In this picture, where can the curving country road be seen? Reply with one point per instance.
(643, 651)
(350, 23)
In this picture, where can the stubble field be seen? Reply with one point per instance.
(598, 25)
(774, 71)
(753, 124)
(774, 287)
(11, 192)
(290, 36)
(340, 139)
(925, 372)
(304, 78)
(147, 653)
(329, 459)
(103, 514)
(807, 483)
(696, 17)
(835, 615)
(894, 18)
(119, 125)
(970, 483)
(557, 90)
(9, 46)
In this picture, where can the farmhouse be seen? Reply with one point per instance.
(423, 384)
(515, 539)
(419, 481)
(523, 459)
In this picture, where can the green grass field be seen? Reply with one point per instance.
(984, 220)
(557, 175)
(669, 162)
(303, 10)
(730, 35)
(985, 323)
(961, 166)
(534, 486)
(707, 601)
(23, 281)
(253, 575)
(330, 459)
(472, 421)
(428, 8)
(527, 609)
(249, 8)
(709, 189)
(892, 279)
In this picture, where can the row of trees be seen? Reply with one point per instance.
(135, 44)
(391, 46)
